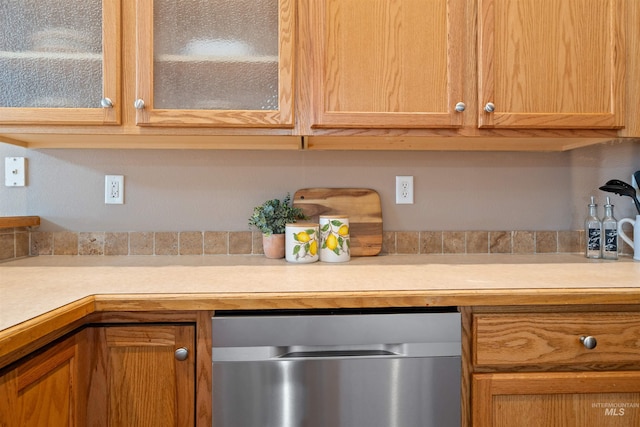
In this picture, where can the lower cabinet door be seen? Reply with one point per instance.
(142, 375)
(42, 390)
(566, 399)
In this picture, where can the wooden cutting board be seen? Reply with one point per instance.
(361, 205)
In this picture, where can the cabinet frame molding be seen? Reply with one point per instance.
(612, 119)
(486, 386)
(111, 84)
(320, 60)
(150, 116)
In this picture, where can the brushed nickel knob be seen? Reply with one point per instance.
(139, 104)
(589, 342)
(182, 353)
(489, 107)
(106, 103)
(460, 107)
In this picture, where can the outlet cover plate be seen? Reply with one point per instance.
(404, 190)
(114, 189)
(14, 171)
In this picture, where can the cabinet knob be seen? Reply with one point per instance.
(106, 103)
(589, 342)
(182, 353)
(139, 104)
(460, 107)
(489, 107)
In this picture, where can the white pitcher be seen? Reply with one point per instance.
(635, 243)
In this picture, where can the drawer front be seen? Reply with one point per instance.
(541, 339)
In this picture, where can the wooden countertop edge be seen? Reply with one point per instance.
(360, 299)
(19, 221)
(21, 339)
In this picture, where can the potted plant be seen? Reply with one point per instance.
(271, 218)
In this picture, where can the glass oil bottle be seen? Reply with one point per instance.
(609, 233)
(592, 230)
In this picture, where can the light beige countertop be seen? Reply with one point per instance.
(34, 286)
(43, 297)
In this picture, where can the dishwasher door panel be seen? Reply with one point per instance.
(338, 392)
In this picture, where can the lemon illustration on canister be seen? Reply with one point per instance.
(331, 242)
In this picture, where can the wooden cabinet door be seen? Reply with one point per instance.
(42, 391)
(385, 64)
(60, 62)
(215, 63)
(567, 399)
(136, 378)
(551, 63)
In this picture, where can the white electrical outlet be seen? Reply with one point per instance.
(114, 189)
(404, 190)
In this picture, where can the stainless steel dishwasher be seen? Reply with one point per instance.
(336, 369)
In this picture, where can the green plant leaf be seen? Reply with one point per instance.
(272, 216)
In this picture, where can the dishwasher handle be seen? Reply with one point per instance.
(336, 353)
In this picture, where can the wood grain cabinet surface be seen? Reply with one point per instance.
(171, 77)
(586, 399)
(215, 64)
(44, 389)
(558, 75)
(466, 75)
(59, 61)
(117, 375)
(532, 368)
(551, 64)
(555, 339)
(136, 378)
(381, 64)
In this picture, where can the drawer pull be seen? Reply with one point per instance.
(589, 342)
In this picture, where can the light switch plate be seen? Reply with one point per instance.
(14, 171)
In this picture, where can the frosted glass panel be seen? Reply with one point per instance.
(51, 53)
(216, 54)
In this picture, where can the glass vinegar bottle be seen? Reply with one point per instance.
(592, 229)
(609, 233)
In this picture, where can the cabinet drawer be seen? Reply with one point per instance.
(542, 339)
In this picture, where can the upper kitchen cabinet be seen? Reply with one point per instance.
(551, 64)
(60, 62)
(215, 63)
(466, 74)
(382, 64)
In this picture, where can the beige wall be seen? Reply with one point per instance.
(173, 190)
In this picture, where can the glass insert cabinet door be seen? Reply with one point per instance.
(215, 63)
(59, 61)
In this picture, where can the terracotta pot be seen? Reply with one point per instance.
(273, 246)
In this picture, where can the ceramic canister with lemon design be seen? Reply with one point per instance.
(335, 245)
(301, 242)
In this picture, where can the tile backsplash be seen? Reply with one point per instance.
(14, 243)
(21, 242)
